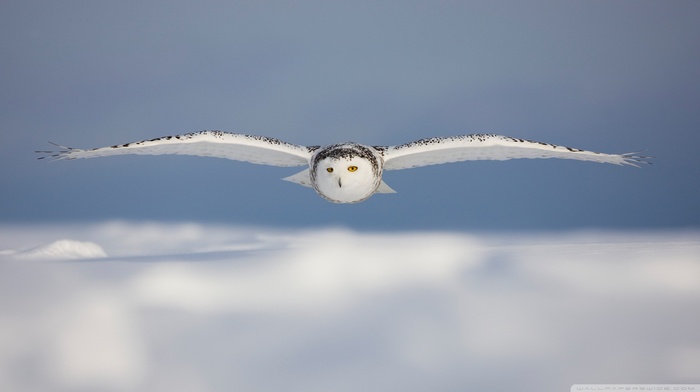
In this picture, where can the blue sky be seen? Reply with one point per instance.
(606, 76)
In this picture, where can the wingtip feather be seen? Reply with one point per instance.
(53, 155)
(636, 160)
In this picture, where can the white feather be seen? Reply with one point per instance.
(239, 147)
(302, 178)
(438, 150)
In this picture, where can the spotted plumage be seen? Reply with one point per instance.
(345, 172)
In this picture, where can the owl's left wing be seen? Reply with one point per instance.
(255, 149)
(438, 150)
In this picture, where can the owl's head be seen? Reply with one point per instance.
(346, 173)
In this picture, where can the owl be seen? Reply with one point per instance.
(345, 172)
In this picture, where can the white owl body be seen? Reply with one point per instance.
(346, 172)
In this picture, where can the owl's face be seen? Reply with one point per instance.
(346, 172)
(346, 180)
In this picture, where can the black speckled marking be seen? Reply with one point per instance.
(439, 140)
(345, 151)
(380, 149)
(219, 135)
(480, 137)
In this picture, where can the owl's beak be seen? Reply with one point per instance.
(340, 183)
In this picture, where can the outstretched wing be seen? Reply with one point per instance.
(438, 150)
(255, 149)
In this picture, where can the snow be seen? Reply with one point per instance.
(61, 249)
(180, 307)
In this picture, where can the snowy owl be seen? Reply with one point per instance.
(346, 172)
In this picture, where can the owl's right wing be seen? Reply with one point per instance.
(254, 149)
(475, 147)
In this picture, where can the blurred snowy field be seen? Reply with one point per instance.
(123, 306)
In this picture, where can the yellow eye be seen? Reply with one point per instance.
(329, 170)
(352, 168)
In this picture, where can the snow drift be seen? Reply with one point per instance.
(183, 307)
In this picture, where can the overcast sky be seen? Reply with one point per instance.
(616, 77)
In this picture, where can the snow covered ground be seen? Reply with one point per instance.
(122, 306)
